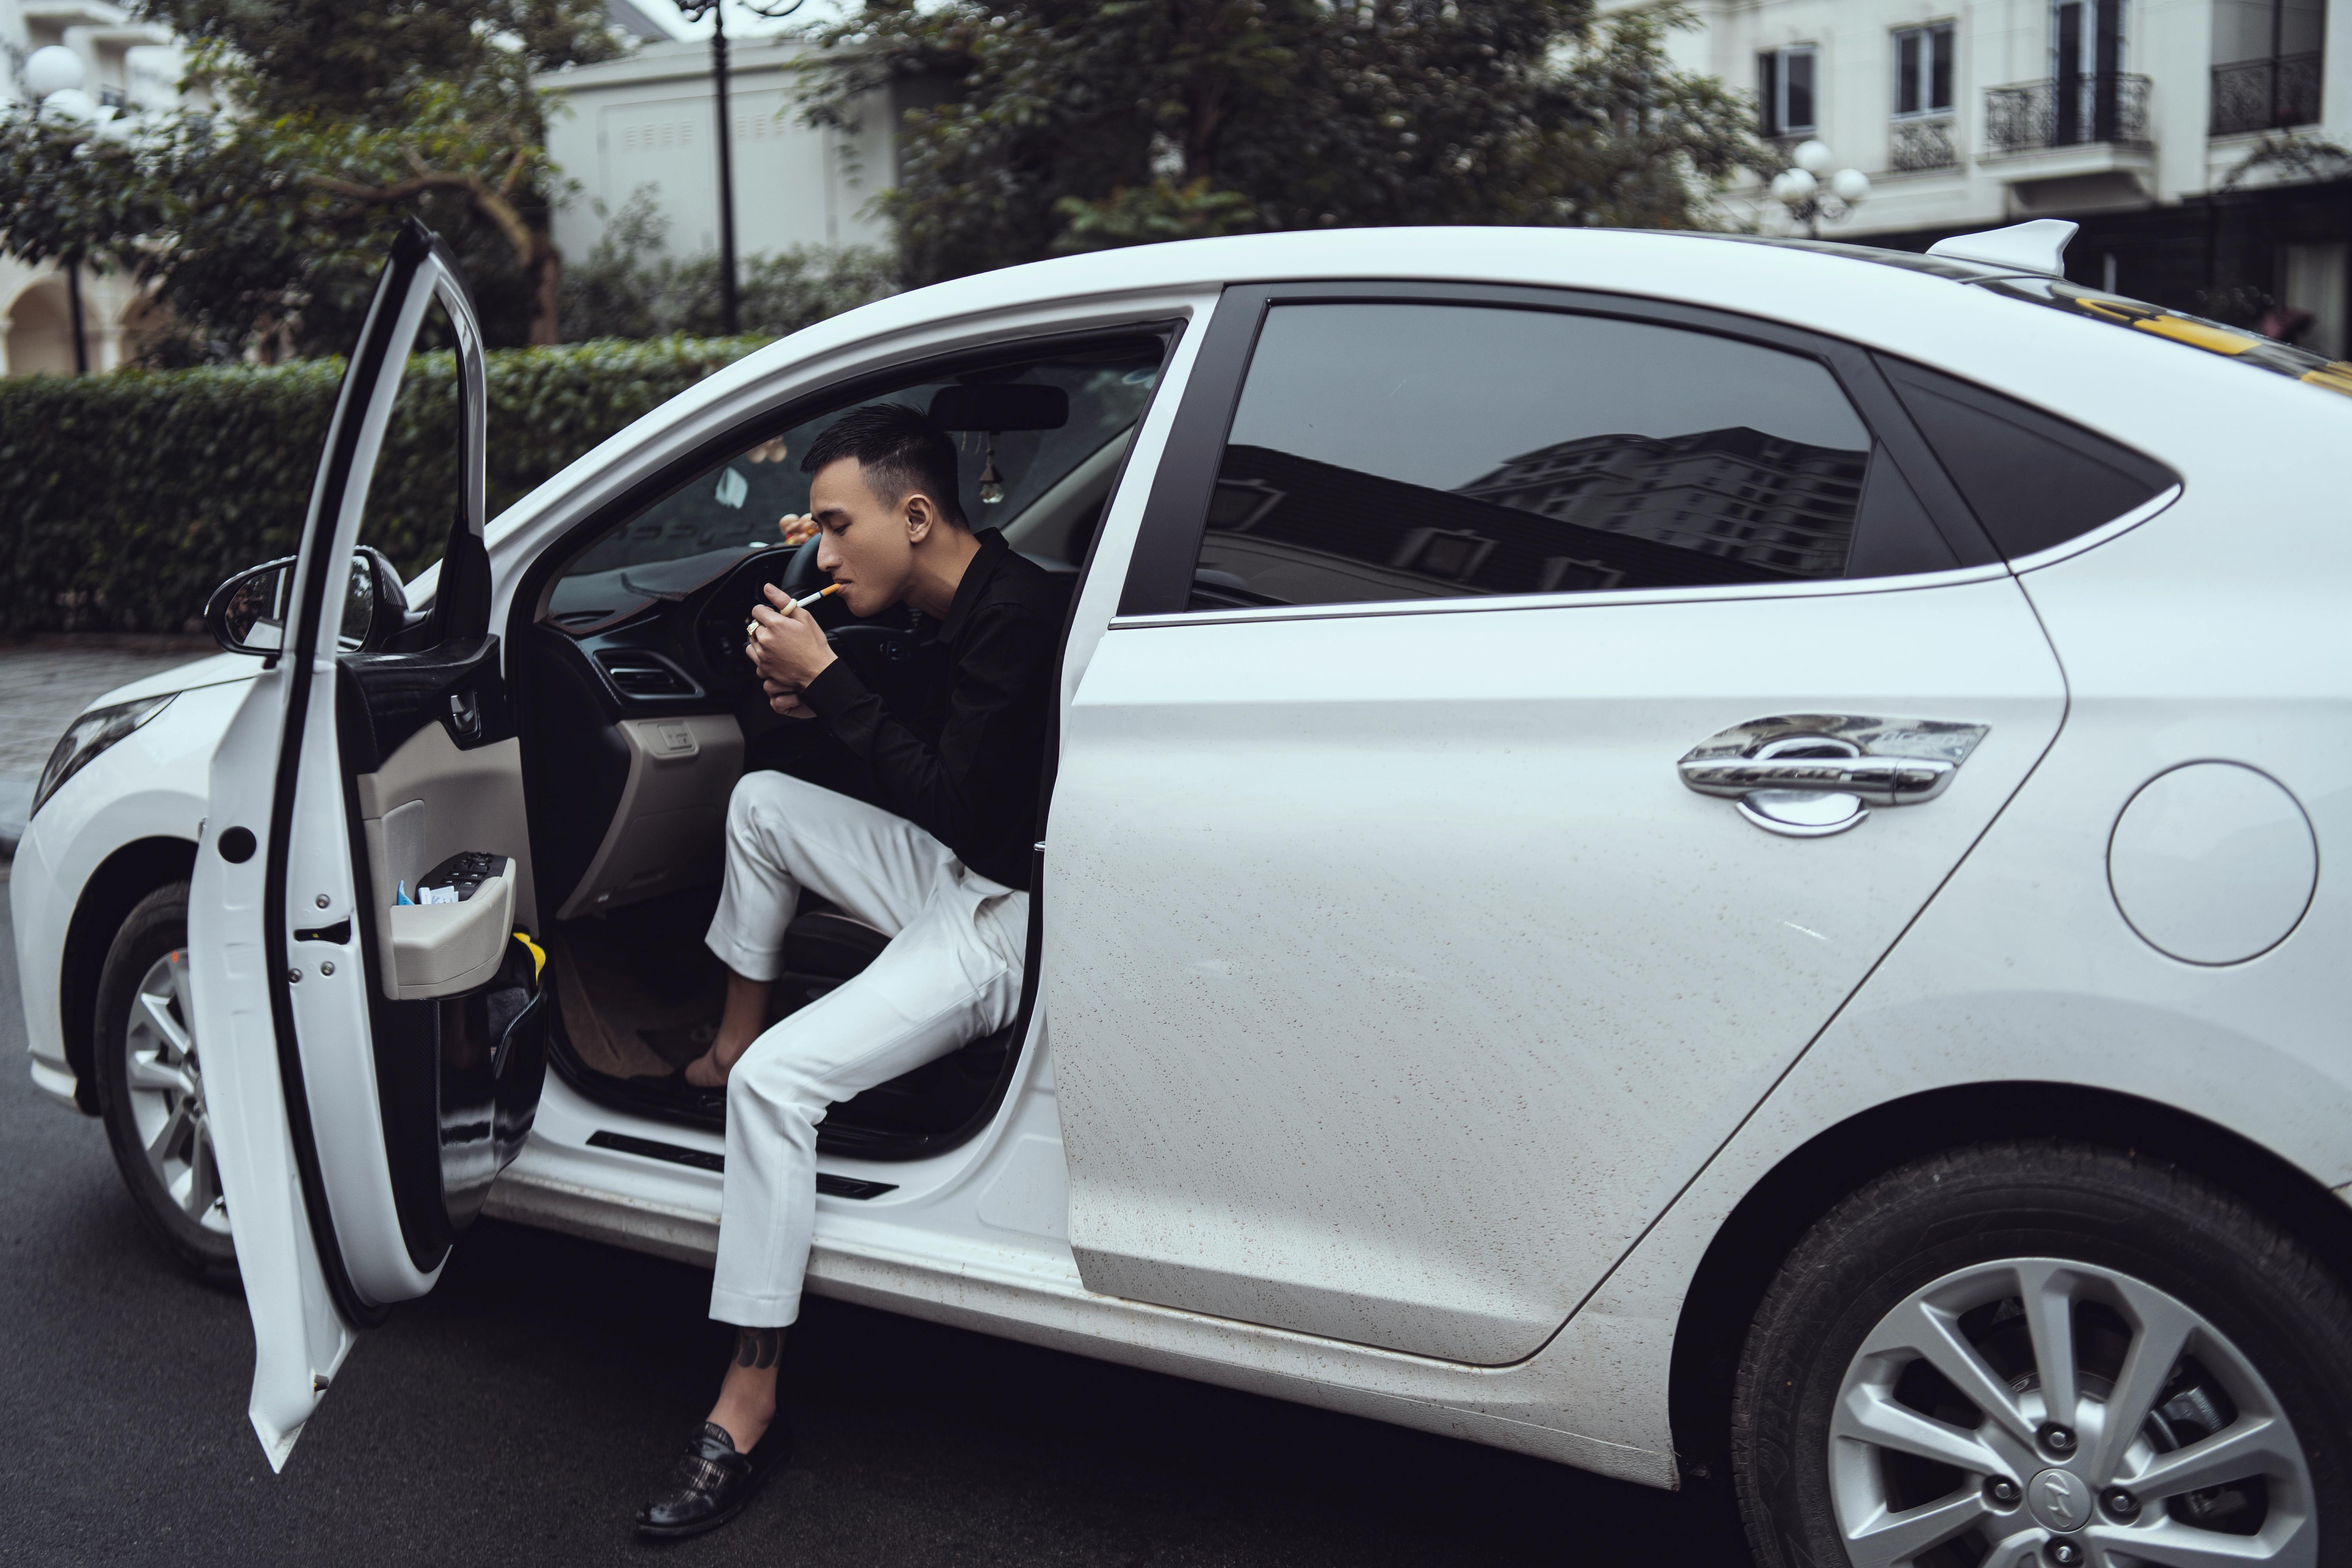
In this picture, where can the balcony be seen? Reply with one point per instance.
(2269, 94)
(2071, 112)
(1920, 144)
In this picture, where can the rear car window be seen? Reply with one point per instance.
(2033, 479)
(1393, 451)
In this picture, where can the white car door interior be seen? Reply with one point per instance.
(1428, 901)
(367, 1012)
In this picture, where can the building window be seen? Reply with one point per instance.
(1923, 69)
(2268, 57)
(1784, 90)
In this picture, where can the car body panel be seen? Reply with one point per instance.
(213, 670)
(149, 785)
(1332, 1065)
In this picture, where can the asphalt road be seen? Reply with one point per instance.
(518, 1413)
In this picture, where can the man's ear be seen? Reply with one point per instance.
(921, 517)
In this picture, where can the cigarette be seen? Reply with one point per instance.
(752, 626)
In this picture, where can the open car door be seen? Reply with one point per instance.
(369, 1013)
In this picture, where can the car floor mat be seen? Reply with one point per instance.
(621, 1026)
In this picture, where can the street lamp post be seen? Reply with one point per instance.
(53, 76)
(1809, 198)
(730, 310)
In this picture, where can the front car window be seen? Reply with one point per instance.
(755, 498)
(1389, 451)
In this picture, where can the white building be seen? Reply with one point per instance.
(2129, 116)
(126, 66)
(648, 123)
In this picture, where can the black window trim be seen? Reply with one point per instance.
(1168, 541)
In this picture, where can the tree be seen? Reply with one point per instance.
(407, 106)
(1077, 123)
(628, 286)
(265, 226)
(361, 60)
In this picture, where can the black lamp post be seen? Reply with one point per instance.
(694, 11)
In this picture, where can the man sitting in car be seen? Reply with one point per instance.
(944, 870)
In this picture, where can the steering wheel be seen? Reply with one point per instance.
(882, 651)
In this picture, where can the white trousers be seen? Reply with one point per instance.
(951, 974)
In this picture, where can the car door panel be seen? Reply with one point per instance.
(1399, 981)
(357, 1133)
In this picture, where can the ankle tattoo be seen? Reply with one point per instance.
(758, 1348)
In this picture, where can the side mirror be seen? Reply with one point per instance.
(246, 615)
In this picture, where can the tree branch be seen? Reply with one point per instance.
(492, 204)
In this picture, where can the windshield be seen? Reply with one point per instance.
(757, 499)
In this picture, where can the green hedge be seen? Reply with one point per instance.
(125, 499)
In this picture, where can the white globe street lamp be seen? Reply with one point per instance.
(49, 69)
(1800, 188)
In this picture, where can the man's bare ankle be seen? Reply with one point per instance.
(743, 1429)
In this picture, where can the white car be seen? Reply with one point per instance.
(1664, 851)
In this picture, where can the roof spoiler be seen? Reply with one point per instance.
(2036, 246)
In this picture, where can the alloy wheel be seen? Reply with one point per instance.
(166, 1091)
(2030, 1412)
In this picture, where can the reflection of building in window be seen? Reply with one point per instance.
(1453, 554)
(1566, 574)
(1321, 534)
(1238, 503)
(1764, 500)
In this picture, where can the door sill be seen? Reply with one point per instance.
(675, 1101)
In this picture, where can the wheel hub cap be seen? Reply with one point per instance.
(1956, 1393)
(2059, 1501)
(167, 1092)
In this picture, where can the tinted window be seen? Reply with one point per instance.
(1398, 451)
(2033, 479)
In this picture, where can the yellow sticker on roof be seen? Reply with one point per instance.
(2196, 334)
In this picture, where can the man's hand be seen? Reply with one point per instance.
(788, 648)
(786, 700)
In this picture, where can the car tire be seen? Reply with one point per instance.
(151, 1091)
(1915, 1319)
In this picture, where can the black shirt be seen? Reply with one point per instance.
(967, 771)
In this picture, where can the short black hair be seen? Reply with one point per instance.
(898, 449)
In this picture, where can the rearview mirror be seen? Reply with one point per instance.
(246, 615)
(999, 407)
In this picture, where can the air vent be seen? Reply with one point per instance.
(638, 673)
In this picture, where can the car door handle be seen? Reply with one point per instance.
(1874, 780)
(1811, 775)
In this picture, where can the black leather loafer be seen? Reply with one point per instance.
(712, 1482)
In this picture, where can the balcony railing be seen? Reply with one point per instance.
(1921, 144)
(2268, 94)
(2067, 112)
